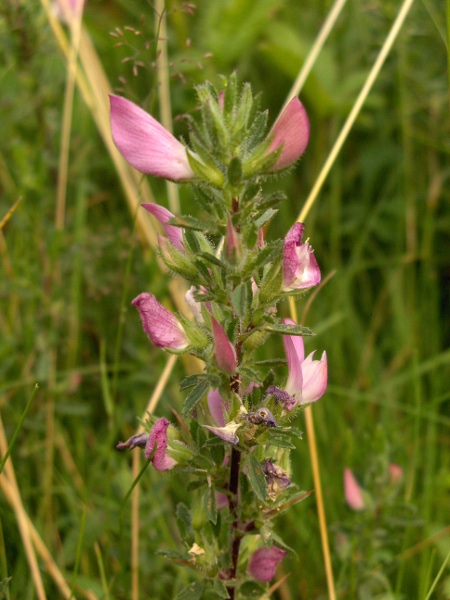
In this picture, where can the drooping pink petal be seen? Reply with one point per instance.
(300, 268)
(158, 436)
(352, 491)
(315, 378)
(263, 563)
(145, 144)
(161, 326)
(295, 354)
(135, 441)
(223, 349)
(217, 407)
(174, 234)
(292, 130)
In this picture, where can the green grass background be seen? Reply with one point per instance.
(381, 221)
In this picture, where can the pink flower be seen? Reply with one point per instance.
(145, 144)
(300, 268)
(307, 379)
(223, 349)
(353, 493)
(292, 131)
(395, 473)
(158, 436)
(174, 234)
(263, 563)
(161, 326)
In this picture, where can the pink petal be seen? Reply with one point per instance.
(223, 349)
(174, 234)
(292, 130)
(353, 493)
(295, 354)
(315, 378)
(263, 563)
(145, 144)
(300, 268)
(217, 407)
(158, 435)
(161, 326)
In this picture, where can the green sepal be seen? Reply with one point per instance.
(239, 299)
(177, 261)
(265, 217)
(209, 504)
(288, 329)
(256, 477)
(207, 172)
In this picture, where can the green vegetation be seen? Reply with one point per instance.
(380, 226)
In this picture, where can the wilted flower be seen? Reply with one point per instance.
(161, 326)
(226, 433)
(135, 441)
(174, 234)
(263, 563)
(277, 479)
(224, 351)
(352, 491)
(300, 268)
(158, 436)
(292, 131)
(145, 144)
(307, 379)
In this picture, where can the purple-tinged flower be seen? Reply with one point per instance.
(223, 349)
(353, 493)
(217, 407)
(277, 479)
(161, 326)
(174, 234)
(261, 416)
(158, 437)
(300, 268)
(282, 396)
(145, 144)
(226, 433)
(263, 563)
(291, 130)
(307, 379)
(135, 441)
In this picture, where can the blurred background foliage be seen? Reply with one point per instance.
(381, 224)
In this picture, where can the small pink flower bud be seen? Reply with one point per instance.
(263, 563)
(158, 437)
(232, 244)
(395, 473)
(161, 326)
(292, 131)
(145, 144)
(174, 234)
(223, 349)
(353, 493)
(217, 407)
(300, 268)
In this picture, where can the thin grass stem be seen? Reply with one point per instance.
(385, 49)
(316, 48)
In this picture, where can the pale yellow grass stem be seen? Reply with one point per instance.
(29, 534)
(396, 27)
(315, 50)
(165, 105)
(305, 210)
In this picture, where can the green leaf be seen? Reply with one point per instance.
(188, 222)
(265, 217)
(288, 329)
(193, 591)
(191, 380)
(256, 477)
(239, 299)
(209, 503)
(212, 259)
(195, 396)
(183, 514)
(220, 589)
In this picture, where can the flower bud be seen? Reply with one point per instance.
(263, 563)
(161, 326)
